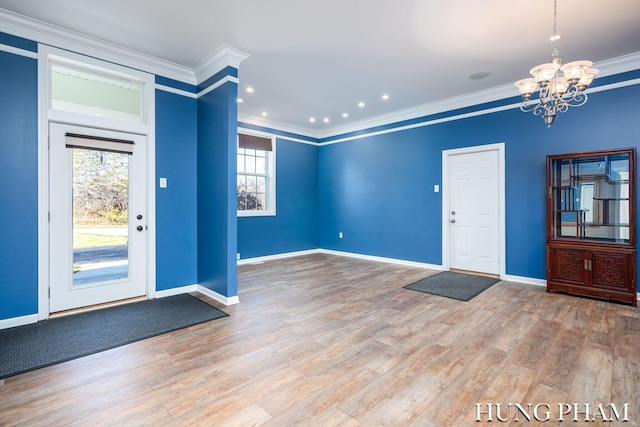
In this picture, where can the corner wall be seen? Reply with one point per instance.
(176, 205)
(295, 226)
(216, 181)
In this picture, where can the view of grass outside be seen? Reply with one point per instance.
(88, 240)
(100, 206)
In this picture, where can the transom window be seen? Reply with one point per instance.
(256, 175)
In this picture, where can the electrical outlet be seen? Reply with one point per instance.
(238, 255)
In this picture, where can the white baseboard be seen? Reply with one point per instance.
(266, 258)
(218, 297)
(201, 289)
(525, 280)
(382, 259)
(18, 321)
(176, 291)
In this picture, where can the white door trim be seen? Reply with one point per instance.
(46, 115)
(446, 154)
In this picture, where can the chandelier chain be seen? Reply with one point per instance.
(555, 53)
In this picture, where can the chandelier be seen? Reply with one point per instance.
(561, 86)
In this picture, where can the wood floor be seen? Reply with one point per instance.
(321, 340)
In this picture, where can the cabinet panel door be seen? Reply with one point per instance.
(611, 270)
(567, 265)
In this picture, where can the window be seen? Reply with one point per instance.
(256, 175)
(85, 86)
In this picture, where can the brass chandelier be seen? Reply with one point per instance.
(561, 86)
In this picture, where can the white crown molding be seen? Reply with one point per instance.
(608, 67)
(225, 56)
(41, 32)
(18, 51)
(299, 130)
(450, 104)
(618, 65)
(176, 91)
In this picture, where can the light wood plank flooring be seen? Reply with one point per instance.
(321, 340)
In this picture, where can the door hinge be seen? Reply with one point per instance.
(49, 217)
(49, 292)
(49, 141)
(550, 192)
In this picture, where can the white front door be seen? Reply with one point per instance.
(474, 211)
(97, 203)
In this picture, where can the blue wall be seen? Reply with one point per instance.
(19, 192)
(176, 205)
(217, 197)
(378, 190)
(295, 226)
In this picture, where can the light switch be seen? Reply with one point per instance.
(436, 188)
(163, 182)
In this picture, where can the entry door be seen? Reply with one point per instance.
(97, 201)
(474, 211)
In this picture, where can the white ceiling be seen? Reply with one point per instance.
(320, 58)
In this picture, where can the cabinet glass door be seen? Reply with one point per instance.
(590, 198)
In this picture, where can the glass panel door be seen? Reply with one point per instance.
(97, 230)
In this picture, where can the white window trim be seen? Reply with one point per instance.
(271, 173)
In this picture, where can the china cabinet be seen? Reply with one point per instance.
(591, 217)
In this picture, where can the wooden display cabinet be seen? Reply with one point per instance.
(591, 218)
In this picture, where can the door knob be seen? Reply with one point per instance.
(139, 228)
(453, 212)
(453, 220)
(139, 216)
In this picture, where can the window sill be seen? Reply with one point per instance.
(255, 213)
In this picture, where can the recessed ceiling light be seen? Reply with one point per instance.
(385, 97)
(361, 104)
(249, 89)
(264, 113)
(240, 100)
(326, 120)
(479, 75)
(345, 115)
(312, 119)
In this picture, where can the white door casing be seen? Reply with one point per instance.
(64, 293)
(473, 209)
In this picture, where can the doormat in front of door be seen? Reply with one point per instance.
(454, 285)
(34, 346)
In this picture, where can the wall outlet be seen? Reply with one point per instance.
(163, 182)
(238, 255)
(340, 235)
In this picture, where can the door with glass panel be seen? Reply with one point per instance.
(97, 216)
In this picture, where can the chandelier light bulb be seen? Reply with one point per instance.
(560, 86)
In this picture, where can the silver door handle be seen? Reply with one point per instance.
(453, 220)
